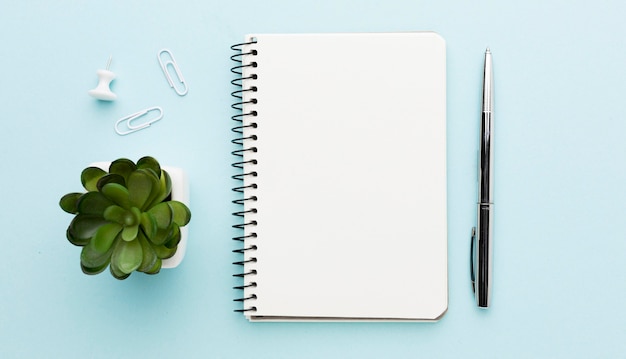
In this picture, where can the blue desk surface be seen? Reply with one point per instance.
(560, 256)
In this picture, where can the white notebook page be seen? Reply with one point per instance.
(351, 139)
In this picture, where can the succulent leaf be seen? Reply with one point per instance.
(117, 193)
(69, 202)
(110, 178)
(162, 214)
(148, 162)
(95, 270)
(116, 272)
(143, 187)
(75, 241)
(161, 236)
(136, 215)
(92, 258)
(83, 227)
(181, 215)
(163, 252)
(130, 232)
(127, 256)
(149, 255)
(90, 177)
(115, 214)
(149, 224)
(155, 268)
(174, 237)
(93, 203)
(103, 240)
(123, 167)
(165, 185)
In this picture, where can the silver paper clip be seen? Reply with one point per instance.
(170, 61)
(130, 127)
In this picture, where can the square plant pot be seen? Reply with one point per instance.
(180, 192)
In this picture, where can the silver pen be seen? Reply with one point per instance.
(482, 234)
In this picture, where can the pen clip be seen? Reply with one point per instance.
(472, 275)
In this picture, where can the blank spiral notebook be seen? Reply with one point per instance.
(341, 160)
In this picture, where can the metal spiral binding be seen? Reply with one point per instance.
(244, 97)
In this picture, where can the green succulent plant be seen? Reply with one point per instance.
(126, 220)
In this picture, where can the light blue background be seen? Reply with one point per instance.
(560, 256)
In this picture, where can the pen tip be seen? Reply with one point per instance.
(488, 51)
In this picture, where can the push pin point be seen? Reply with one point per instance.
(102, 91)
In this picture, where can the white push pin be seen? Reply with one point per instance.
(102, 91)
